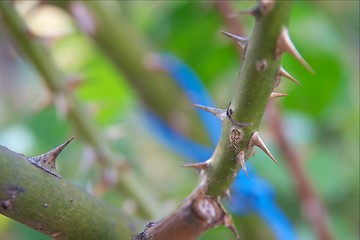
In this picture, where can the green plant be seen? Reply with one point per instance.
(257, 79)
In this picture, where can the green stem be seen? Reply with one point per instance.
(252, 93)
(55, 207)
(85, 127)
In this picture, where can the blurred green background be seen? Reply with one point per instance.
(321, 116)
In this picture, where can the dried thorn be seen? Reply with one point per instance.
(236, 135)
(257, 141)
(240, 40)
(47, 160)
(284, 44)
(198, 166)
(229, 223)
(282, 72)
(219, 113)
(277, 95)
(241, 160)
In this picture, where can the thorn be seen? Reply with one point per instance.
(240, 40)
(198, 166)
(266, 6)
(277, 95)
(241, 160)
(255, 12)
(228, 194)
(252, 152)
(284, 44)
(229, 223)
(219, 113)
(47, 160)
(257, 141)
(282, 72)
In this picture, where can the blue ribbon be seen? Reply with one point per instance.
(253, 194)
(196, 92)
(256, 195)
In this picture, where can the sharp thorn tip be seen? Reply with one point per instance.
(47, 160)
(198, 166)
(241, 160)
(219, 113)
(240, 40)
(277, 95)
(228, 195)
(257, 141)
(286, 45)
(229, 223)
(282, 72)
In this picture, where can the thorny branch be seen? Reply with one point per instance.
(316, 213)
(34, 50)
(258, 75)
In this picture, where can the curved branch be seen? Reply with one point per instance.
(55, 207)
(203, 209)
(34, 50)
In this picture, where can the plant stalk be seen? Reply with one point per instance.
(34, 50)
(253, 89)
(54, 206)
